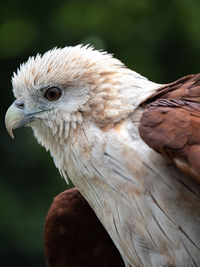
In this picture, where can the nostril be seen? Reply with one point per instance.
(19, 104)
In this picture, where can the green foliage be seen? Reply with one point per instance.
(159, 39)
(16, 36)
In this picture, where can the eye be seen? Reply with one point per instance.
(53, 93)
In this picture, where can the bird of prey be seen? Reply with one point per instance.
(130, 146)
(73, 235)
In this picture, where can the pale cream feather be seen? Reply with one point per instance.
(92, 135)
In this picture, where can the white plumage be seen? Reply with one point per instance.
(150, 209)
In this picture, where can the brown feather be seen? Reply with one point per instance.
(186, 88)
(171, 123)
(73, 235)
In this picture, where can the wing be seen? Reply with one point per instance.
(72, 232)
(170, 124)
(186, 88)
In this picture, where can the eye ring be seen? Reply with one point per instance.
(52, 93)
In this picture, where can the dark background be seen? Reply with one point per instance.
(159, 39)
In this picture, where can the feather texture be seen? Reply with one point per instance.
(150, 209)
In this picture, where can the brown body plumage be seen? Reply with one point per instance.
(74, 236)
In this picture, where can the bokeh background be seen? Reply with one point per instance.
(159, 39)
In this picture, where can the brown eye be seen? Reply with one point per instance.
(53, 93)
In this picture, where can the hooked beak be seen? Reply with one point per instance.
(17, 117)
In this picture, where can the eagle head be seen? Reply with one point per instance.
(58, 91)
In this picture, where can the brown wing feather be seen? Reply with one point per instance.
(73, 235)
(170, 124)
(186, 88)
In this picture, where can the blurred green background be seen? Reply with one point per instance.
(159, 39)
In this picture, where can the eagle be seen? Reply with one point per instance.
(129, 145)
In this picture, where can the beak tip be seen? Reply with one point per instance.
(13, 119)
(10, 131)
(11, 135)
